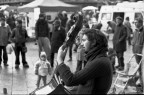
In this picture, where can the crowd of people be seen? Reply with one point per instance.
(95, 59)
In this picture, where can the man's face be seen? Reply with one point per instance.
(2, 23)
(17, 24)
(56, 25)
(118, 21)
(138, 24)
(86, 43)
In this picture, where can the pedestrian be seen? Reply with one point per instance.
(19, 36)
(63, 18)
(112, 56)
(5, 32)
(119, 42)
(11, 21)
(129, 30)
(42, 69)
(58, 37)
(81, 61)
(42, 35)
(137, 43)
(70, 23)
(96, 76)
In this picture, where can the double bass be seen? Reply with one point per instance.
(55, 86)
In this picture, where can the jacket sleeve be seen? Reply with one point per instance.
(90, 71)
(124, 35)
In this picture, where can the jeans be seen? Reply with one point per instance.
(5, 56)
(18, 50)
(44, 45)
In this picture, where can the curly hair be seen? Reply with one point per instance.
(98, 36)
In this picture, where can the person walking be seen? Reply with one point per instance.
(70, 23)
(58, 37)
(129, 30)
(96, 76)
(137, 44)
(42, 35)
(5, 33)
(119, 42)
(19, 36)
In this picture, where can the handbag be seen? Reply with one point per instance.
(24, 49)
(9, 49)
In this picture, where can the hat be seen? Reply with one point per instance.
(120, 18)
(43, 54)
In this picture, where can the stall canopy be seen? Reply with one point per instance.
(51, 5)
(89, 8)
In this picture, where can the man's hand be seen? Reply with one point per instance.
(61, 55)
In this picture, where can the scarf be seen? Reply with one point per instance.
(95, 51)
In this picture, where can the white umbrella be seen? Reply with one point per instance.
(89, 8)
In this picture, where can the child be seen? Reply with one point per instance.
(112, 55)
(42, 69)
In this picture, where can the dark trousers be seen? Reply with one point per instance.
(120, 56)
(70, 51)
(39, 79)
(18, 50)
(52, 59)
(5, 56)
(129, 40)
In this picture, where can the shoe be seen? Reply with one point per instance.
(121, 68)
(16, 66)
(5, 64)
(70, 59)
(26, 65)
(117, 66)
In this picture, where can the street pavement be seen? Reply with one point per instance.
(22, 81)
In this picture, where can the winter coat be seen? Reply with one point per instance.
(119, 38)
(138, 40)
(42, 29)
(19, 36)
(4, 35)
(58, 37)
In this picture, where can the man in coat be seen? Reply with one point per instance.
(58, 37)
(42, 35)
(5, 32)
(119, 42)
(19, 37)
(137, 44)
(96, 76)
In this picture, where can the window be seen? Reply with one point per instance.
(106, 16)
(138, 15)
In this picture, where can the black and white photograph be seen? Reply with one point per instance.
(71, 47)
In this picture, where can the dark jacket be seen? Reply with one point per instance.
(42, 29)
(19, 36)
(94, 78)
(138, 40)
(58, 37)
(5, 33)
(119, 38)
